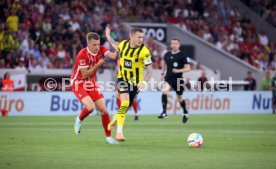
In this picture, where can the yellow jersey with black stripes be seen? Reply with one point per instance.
(132, 62)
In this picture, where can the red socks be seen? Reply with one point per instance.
(4, 113)
(118, 101)
(84, 113)
(105, 121)
(135, 107)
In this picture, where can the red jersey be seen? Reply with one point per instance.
(86, 59)
(7, 85)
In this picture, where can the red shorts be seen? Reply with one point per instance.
(95, 93)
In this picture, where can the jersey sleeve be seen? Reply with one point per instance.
(104, 50)
(82, 60)
(185, 60)
(147, 57)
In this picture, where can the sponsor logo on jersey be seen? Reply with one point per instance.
(127, 64)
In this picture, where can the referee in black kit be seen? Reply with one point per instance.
(175, 63)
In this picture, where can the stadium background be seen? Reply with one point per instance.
(223, 38)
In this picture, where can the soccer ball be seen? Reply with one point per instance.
(195, 140)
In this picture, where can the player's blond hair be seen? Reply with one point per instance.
(135, 29)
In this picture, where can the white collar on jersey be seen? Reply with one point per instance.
(93, 54)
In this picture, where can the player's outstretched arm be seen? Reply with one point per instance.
(112, 55)
(87, 72)
(113, 43)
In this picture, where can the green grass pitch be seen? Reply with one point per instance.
(230, 141)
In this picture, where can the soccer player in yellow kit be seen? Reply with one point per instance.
(134, 58)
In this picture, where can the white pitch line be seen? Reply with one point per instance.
(96, 122)
(87, 122)
(154, 130)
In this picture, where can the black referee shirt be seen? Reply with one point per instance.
(177, 61)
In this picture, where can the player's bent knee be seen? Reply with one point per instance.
(103, 111)
(179, 98)
(125, 103)
(90, 108)
(166, 92)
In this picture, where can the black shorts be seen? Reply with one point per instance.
(178, 88)
(274, 100)
(125, 87)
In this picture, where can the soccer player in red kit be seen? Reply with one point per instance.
(84, 85)
(7, 86)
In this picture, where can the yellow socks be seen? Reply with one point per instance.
(121, 115)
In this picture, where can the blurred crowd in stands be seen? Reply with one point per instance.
(264, 8)
(215, 21)
(218, 23)
(38, 35)
(43, 34)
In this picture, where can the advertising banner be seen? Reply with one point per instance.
(149, 103)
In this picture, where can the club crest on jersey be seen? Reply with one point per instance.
(175, 64)
(171, 57)
(136, 56)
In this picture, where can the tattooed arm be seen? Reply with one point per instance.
(148, 72)
(142, 85)
(113, 43)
